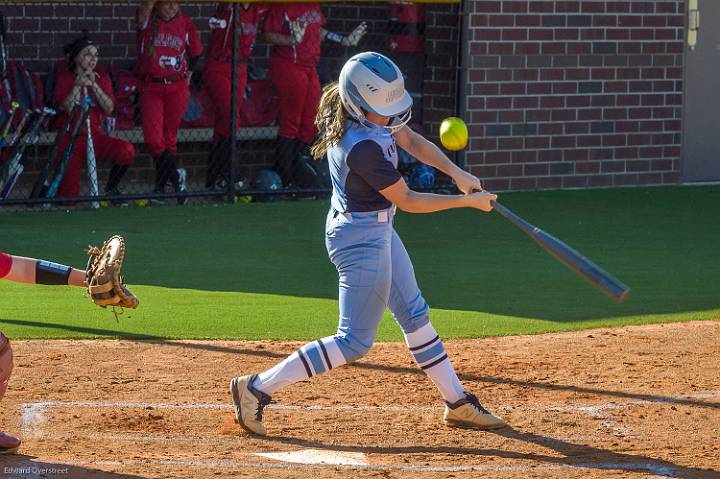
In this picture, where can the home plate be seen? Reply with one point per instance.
(314, 456)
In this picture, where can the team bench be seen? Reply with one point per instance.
(185, 135)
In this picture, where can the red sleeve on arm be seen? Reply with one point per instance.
(274, 19)
(5, 264)
(105, 83)
(63, 84)
(195, 47)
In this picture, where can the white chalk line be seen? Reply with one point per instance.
(659, 470)
(34, 416)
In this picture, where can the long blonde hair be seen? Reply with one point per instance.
(330, 121)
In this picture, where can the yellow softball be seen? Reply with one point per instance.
(453, 133)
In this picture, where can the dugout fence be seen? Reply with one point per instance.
(422, 38)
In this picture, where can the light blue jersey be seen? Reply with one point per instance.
(363, 163)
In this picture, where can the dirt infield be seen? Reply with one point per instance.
(630, 402)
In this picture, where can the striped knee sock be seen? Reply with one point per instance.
(310, 360)
(429, 352)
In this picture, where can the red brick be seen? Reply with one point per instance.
(510, 170)
(618, 7)
(510, 143)
(590, 114)
(538, 115)
(650, 152)
(589, 141)
(542, 6)
(617, 34)
(501, 20)
(604, 20)
(639, 139)
(486, 34)
(537, 142)
(577, 73)
(630, 48)
(540, 34)
(482, 171)
(612, 166)
(642, 34)
(517, 34)
(497, 185)
(520, 184)
(539, 88)
(497, 157)
(600, 180)
(576, 156)
(575, 181)
(563, 142)
(567, 6)
(479, 20)
(550, 182)
(487, 6)
(536, 169)
(527, 48)
(579, 48)
(515, 6)
(614, 140)
(527, 20)
(499, 103)
(555, 48)
(577, 101)
(592, 7)
(626, 126)
(524, 156)
(567, 34)
(666, 7)
(661, 165)
(577, 128)
(587, 167)
(525, 102)
(497, 48)
(510, 116)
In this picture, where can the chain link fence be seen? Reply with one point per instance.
(158, 138)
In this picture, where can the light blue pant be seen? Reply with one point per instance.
(375, 273)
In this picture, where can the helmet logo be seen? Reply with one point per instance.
(393, 95)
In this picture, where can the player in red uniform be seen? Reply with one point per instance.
(33, 271)
(217, 75)
(296, 30)
(71, 86)
(168, 49)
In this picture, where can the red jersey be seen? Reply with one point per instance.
(222, 27)
(64, 83)
(173, 42)
(278, 20)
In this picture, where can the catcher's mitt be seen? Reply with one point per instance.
(102, 275)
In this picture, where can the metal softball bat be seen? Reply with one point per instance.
(578, 263)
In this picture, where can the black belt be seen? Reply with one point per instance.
(167, 81)
(228, 59)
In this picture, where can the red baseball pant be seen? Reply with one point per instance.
(298, 89)
(216, 78)
(162, 107)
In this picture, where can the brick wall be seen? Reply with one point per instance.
(568, 94)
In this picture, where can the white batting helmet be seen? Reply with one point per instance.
(371, 82)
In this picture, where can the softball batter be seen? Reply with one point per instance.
(362, 119)
(168, 49)
(33, 271)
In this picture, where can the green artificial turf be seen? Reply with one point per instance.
(258, 271)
